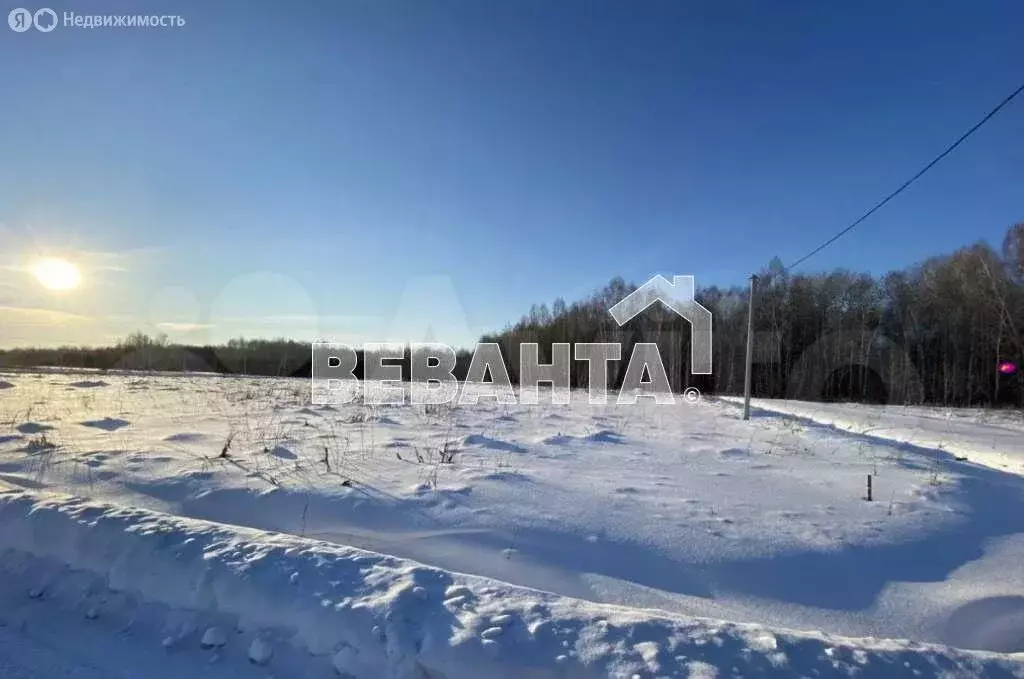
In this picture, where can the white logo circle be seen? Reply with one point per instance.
(45, 12)
(19, 19)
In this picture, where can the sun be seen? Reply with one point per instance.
(56, 274)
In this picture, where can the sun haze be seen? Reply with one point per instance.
(56, 274)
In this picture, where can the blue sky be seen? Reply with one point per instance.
(331, 168)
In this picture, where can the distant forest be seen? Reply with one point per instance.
(933, 333)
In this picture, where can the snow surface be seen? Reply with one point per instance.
(681, 510)
(213, 591)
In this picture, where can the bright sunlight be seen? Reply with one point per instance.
(56, 274)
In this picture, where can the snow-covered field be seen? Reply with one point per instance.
(686, 509)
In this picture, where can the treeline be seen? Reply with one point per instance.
(932, 333)
(280, 357)
(142, 352)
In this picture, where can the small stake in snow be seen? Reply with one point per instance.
(227, 445)
(869, 488)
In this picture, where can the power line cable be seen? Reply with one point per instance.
(910, 181)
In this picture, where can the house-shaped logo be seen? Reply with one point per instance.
(679, 297)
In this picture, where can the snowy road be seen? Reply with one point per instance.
(50, 649)
(56, 626)
(23, 658)
(990, 437)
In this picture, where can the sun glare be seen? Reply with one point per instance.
(56, 274)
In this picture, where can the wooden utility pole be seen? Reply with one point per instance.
(750, 349)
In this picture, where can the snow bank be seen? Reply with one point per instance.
(377, 617)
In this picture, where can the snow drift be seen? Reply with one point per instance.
(371, 616)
